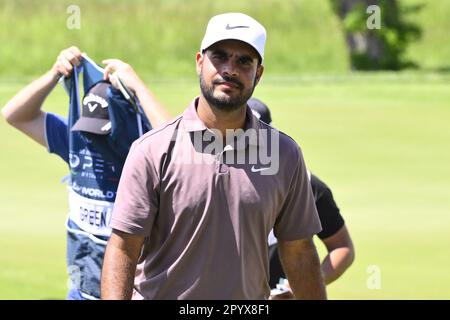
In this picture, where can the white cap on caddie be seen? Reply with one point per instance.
(236, 26)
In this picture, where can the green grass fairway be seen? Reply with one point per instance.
(381, 141)
(161, 37)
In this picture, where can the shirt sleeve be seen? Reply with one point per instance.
(329, 213)
(137, 199)
(298, 218)
(56, 135)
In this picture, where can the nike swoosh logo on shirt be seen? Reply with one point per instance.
(259, 169)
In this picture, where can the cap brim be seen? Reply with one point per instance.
(237, 37)
(97, 126)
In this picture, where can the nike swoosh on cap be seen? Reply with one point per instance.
(228, 27)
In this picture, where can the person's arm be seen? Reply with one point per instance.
(341, 254)
(24, 112)
(302, 266)
(153, 109)
(334, 233)
(119, 265)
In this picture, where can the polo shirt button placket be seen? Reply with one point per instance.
(224, 169)
(221, 166)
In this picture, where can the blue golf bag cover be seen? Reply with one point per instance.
(96, 163)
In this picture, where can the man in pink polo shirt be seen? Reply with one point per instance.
(198, 197)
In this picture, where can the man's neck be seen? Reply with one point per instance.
(215, 118)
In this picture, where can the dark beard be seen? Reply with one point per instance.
(225, 104)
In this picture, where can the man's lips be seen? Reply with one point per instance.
(228, 84)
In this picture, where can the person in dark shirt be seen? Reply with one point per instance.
(334, 234)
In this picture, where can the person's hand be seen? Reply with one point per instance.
(66, 60)
(117, 68)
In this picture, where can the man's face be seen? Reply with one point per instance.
(228, 71)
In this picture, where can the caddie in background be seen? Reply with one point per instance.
(334, 234)
(198, 230)
(94, 145)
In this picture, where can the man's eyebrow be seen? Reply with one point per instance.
(241, 57)
(247, 57)
(218, 51)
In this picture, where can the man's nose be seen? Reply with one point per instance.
(230, 69)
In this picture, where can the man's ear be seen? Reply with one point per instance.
(259, 72)
(199, 62)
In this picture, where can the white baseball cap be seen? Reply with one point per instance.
(236, 26)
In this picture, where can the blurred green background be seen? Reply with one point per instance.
(380, 140)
